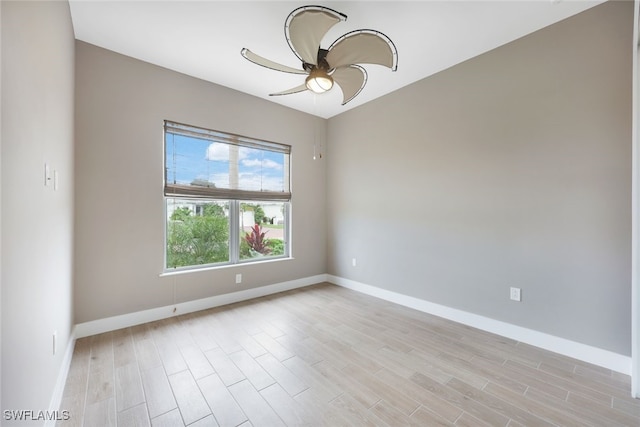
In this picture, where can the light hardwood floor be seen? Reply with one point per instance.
(324, 355)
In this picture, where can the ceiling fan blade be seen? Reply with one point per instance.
(257, 59)
(351, 80)
(306, 26)
(363, 47)
(290, 91)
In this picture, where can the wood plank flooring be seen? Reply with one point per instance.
(328, 356)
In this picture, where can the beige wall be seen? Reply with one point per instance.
(37, 222)
(120, 107)
(511, 169)
(1, 208)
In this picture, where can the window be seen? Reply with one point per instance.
(227, 198)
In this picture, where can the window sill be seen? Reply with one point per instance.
(168, 273)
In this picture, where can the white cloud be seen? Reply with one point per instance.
(254, 173)
(221, 180)
(265, 163)
(249, 181)
(220, 152)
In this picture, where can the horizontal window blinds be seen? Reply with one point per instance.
(213, 164)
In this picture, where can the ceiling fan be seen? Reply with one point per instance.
(305, 28)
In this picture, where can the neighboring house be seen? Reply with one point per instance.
(273, 212)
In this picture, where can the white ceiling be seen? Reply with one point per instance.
(204, 38)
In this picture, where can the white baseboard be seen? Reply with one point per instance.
(589, 354)
(586, 353)
(131, 319)
(63, 373)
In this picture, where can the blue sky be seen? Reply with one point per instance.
(191, 158)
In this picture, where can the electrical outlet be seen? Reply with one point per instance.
(515, 294)
(238, 278)
(353, 262)
(54, 343)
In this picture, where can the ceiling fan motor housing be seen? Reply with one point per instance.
(321, 62)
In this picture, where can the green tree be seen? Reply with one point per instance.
(197, 240)
(180, 214)
(213, 209)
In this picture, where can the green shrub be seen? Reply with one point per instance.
(197, 240)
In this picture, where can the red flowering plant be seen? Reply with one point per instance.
(256, 241)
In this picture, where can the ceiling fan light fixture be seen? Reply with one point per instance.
(319, 81)
(304, 30)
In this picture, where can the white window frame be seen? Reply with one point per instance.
(232, 196)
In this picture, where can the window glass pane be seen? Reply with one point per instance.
(197, 232)
(196, 162)
(227, 197)
(188, 162)
(260, 170)
(262, 229)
